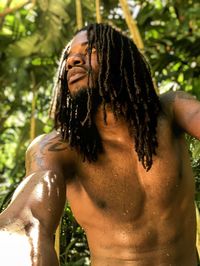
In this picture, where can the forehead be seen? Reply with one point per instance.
(79, 39)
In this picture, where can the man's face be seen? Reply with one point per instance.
(77, 64)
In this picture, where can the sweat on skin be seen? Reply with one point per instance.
(132, 214)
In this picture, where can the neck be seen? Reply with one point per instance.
(113, 128)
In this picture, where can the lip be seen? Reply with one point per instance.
(75, 74)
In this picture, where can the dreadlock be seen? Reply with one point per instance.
(124, 82)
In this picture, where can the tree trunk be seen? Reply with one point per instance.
(79, 18)
(132, 25)
(57, 241)
(33, 108)
(98, 14)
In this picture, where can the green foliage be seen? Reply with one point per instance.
(173, 43)
(31, 41)
(74, 248)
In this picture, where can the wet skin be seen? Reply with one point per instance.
(130, 216)
(27, 226)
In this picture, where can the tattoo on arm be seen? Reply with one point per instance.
(38, 156)
(59, 146)
(52, 144)
(34, 160)
(186, 96)
(170, 97)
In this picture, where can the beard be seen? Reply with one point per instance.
(79, 127)
(84, 105)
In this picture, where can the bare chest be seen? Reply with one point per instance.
(118, 183)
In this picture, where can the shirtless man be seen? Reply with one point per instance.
(118, 156)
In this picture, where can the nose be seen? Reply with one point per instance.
(75, 60)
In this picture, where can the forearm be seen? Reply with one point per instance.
(29, 222)
(40, 198)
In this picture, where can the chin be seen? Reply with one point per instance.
(78, 90)
(80, 85)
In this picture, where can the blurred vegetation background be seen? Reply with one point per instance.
(32, 36)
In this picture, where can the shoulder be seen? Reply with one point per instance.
(171, 101)
(48, 142)
(172, 96)
(184, 109)
(48, 152)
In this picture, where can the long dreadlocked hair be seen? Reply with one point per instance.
(124, 82)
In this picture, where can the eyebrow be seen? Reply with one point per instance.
(68, 49)
(82, 44)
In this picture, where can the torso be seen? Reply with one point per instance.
(134, 217)
(130, 216)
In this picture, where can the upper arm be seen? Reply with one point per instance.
(34, 157)
(47, 152)
(185, 109)
(37, 156)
